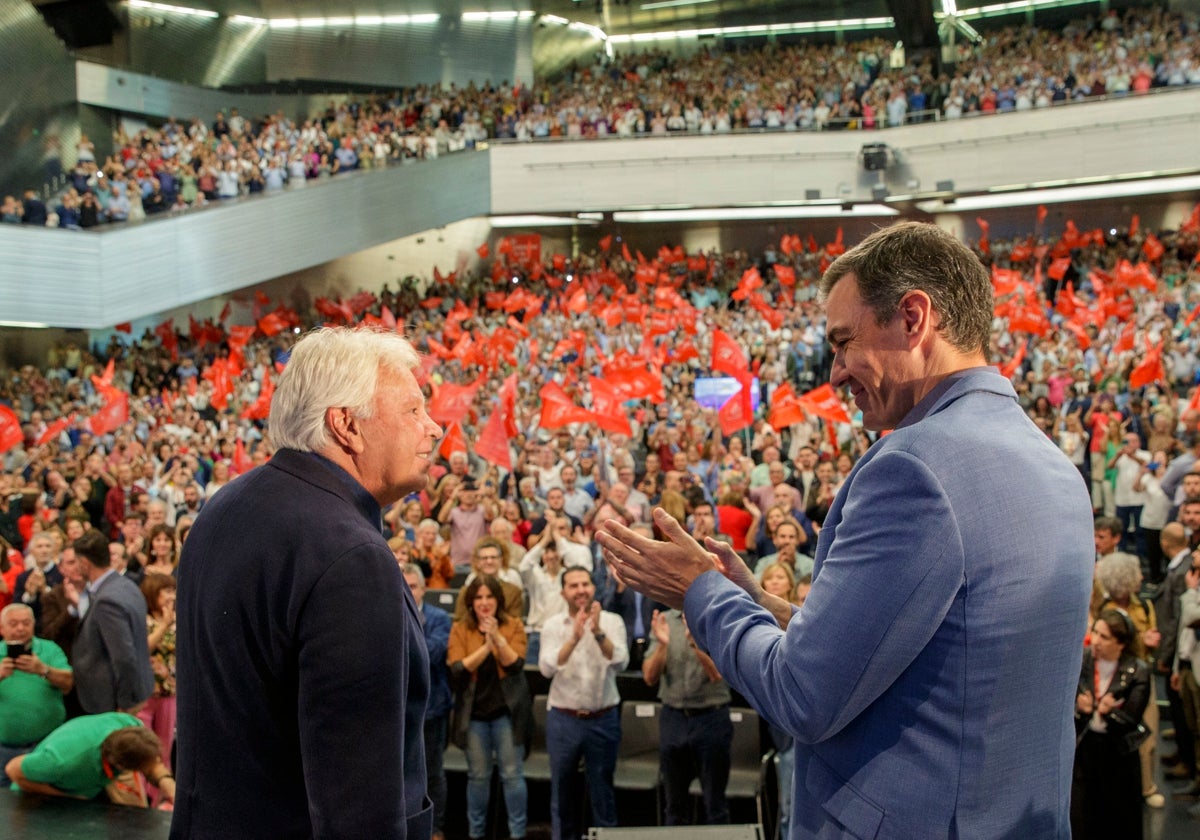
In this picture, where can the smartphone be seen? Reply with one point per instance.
(16, 649)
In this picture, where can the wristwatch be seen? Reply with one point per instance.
(600, 637)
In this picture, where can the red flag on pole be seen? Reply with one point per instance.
(733, 416)
(823, 402)
(54, 430)
(112, 415)
(10, 429)
(453, 441)
(786, 407)
(606, 406)
(727, 356)
(241, 461)
(450, 403)
(492, 444)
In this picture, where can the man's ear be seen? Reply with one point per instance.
(344, 428)
(917, 311)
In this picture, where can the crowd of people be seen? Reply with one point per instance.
(865, 85)
(1095, 330)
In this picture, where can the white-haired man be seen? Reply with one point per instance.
(298, 639)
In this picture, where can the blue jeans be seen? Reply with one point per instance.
(785, 769)
(595, 740)
(484, 739)
(533, 646)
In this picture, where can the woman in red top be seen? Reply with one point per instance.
(738, 517)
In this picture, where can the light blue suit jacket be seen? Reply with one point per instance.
(929, 681)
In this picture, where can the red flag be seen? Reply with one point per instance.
(112, 415)
(606, 406)
(606, 242)
(1152, 248)
(225, 310)
(556, 414)
(786, 407)
(786, 274)
(124, 327)
(1150, 369)
(1134, 224)
(453, 441)
(727, 356)
(823, 402)
(450, 403)
(1010, 367)
(388, 318)
(52, 431)
(10, 429)
(625, 255)
(733, 415)
(272, 323)
(1041, 213)
(241, 461)
(492, 444)
(1058, 268)
(483, 251)
(260, 409)
(578, 302)
(1192, 315)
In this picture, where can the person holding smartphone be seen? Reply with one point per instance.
(34, 676)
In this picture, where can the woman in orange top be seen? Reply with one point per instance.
(493, 709)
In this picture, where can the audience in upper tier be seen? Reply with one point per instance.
(181, 165)
(570, 402)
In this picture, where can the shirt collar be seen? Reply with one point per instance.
(95, 584)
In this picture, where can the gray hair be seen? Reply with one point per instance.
(413, 569)
(12, 608)
(332, 367)
(1120, 574)
(913, 256)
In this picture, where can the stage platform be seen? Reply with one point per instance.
(25, 816)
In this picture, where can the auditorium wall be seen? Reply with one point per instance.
(37, 99)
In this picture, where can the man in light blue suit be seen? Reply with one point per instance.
(929, 681)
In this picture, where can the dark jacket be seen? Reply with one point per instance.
(302, 671)
(111, 655)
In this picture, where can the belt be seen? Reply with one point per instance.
(584, 714)
(697, 712)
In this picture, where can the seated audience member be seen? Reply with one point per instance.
(94, 754)
(34, 676)
(493, 709)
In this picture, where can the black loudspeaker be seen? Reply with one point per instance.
(874, 157)
(80, 23)
(812, 195)
(945, 186)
